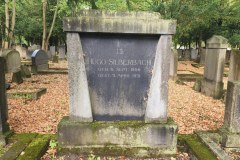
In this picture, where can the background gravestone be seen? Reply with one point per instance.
(194, 54)
(22, 51)
(212, 84)
(39, 61)
(13, 64)
(31, 49)
(173, 64)
(3, 104)
(53, 50)
(61, 52)
(234, 69)
(118, 73)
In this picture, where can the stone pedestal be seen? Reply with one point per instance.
(231, 129)
(234, 69)
(118, 84)
(212, 84)
(4, 127)
(173, 64)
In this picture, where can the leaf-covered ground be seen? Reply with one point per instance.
(191, 110)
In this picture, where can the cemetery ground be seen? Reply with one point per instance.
(192, 111)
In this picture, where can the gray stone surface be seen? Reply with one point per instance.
(17, 77)
(158, 93)
(202, 55)
(234, 69)
(39, 60)
(232, 108)
(61, 52)
(119, 22)
(25, 72)
(173, 64)
(53, 50)
(214, 66)
(3, 103)
(144, 138)
(80, 105)
(194, 54)
(12, 59)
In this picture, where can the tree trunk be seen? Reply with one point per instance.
(53, 23)
(5, 44)
(44, 8)
(13, 22)
(93, 4)
(128, 5)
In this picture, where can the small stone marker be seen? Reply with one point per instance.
(212, 84)
(173, 64)
(3, 103)
(61, 52)
(39, 61)
(231, 134)
(234, 69)
(194, 54)
(118, 73)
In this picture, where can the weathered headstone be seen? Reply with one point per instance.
(187, 54)
(31, 49)
(194, 54)
(13, 64)
(39, 61)
(118, 73)
(61, 52)
(53, 50)
(212, 84)
(3, 104)
(25, 71)
(13, 60)
(202, 55)
(231, 127)
(180, 54)
(22, 51)
(173, 64)
(234, 69)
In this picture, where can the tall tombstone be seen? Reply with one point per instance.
(187, 54)
(118, 83)
(194, 54)
(231, 127)
(212, 83)
(61, 52)
(202, 55)
(39, 61)
(173, 64)
(4, 127)
(13, 64)
(234, 69)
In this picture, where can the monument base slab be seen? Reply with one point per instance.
(229, 139)
(129, 138)
(212, 88)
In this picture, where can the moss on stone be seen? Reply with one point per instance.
(36, 148)
(194, 144)
(20, 142)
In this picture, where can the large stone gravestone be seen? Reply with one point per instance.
(118, 83)
(13, 64)
(39, 61)
(4, 127)
(234, 69)
(212, 84)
